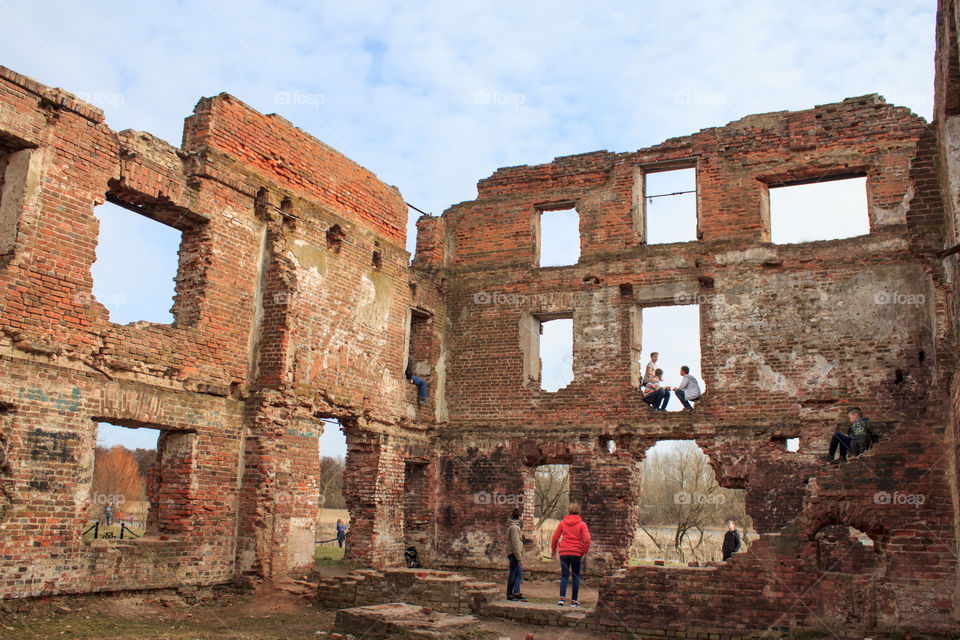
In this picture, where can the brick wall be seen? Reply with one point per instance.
(293, 303)
(790, 336)
(275, 326)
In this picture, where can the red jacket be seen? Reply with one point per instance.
(573, 536)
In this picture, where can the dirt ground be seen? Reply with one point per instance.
(263, 614)
(258, 615)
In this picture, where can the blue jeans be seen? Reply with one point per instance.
(422, 385)
(515, 577)
(568, 565)
(842, 442)
(658, 400)
(683, 399)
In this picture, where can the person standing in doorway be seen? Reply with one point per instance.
(515, 556)
(572, 540)
(341, 533)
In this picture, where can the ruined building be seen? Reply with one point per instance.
(296, 301)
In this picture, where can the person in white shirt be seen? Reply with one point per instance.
(688, 389)
(651, 369)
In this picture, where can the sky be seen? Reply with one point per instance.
(434, 96)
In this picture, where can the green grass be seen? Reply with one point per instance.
(326, 556)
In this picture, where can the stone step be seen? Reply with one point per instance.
(537, 613)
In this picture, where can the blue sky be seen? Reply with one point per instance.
(434, 96)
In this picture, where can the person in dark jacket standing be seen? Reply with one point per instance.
(731, 540)
(572, 539)
(515, 556)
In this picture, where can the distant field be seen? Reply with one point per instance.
(644, 550)
(327, 523)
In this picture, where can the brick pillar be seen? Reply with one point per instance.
(373, 488)
(279, 493)
(608, 490)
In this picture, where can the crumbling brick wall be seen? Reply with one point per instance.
(790, 336)
(291, 295)
(295, 303)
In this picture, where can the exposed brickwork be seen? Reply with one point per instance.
(295, 302)
(273, 329)
(441, 590)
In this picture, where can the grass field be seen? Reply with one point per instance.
(644, 550)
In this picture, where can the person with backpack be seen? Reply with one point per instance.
(572, 539)
(860, 437)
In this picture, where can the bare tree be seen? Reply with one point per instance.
(330, 483)
(551, 493)
(680, 490)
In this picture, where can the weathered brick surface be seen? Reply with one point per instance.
(295, 302)
(790, 335)
(440, 590)
(277, 322)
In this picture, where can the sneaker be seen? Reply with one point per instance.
(560, 602)
(574, 603)
(827, 457)
(518, 597)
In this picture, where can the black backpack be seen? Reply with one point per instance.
(411, 558)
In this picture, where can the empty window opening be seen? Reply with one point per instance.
(137, 261)
(558, 236)
(124, 465)
(14, 167)
(670, 205)
(420, 349)
(844, 549)
(607, 444)
(9, 216)
(673, 333)
(683, 511)
(335, 238)
(793, 445)
(376, 261)
(332, 448)
(826, 210)
(556, 353)
(551, 497)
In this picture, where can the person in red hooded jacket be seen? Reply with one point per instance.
(572, 539)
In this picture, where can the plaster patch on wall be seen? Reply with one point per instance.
(896, 214)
